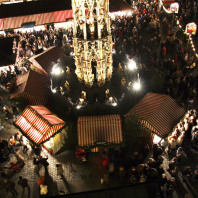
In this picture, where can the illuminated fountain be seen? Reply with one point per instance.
(92, 41)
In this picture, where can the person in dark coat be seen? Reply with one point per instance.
(9, 186)
(43, 161)
(37, 150)
(9, 116)
(2, 103)
(23, 182)
(15, 112)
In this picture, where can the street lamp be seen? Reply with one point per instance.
(137, 86)
(132, 65)
(78, 106)
(53, 90)
(114, 104)
(56, 70)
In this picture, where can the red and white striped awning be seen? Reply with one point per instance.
(32, 86)
(92, 129)
(38, 123)
(1, 24)
(39, 19)
(158, 112)
(54, 17)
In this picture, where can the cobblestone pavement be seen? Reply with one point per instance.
(78, 177)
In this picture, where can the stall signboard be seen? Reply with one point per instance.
(168, 1)
(64, 25)
(191, 28)
(30, 29)
(174, 7)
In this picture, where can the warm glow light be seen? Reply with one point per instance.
(136, 86)
(92, 17)
(53, 90)
(156, 139)
(111, 99)
(78, 106)
(81, 101)
(56, 70)
(132, 65)
(114, 104)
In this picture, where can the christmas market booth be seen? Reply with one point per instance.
(32, 87)
(43, 62)
(99, 131)
(41, 127)
(157, 115)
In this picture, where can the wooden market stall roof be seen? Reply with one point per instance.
(32, 86)
(38, 123)
(93, 129)
(44, 61)
(158, 112)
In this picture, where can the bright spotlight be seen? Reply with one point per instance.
(78, 106)
(114, 104)
(132, 65)
(136, 86)
(53, 90)
(56, 70)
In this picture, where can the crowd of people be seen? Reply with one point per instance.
(137, 168)
(29, 44)
(176, 63)
(16, 164)
(138, 36)
(183, 137)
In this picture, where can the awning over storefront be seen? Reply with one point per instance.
(38, 19)
(38, 124)
(32, 86)
(96, 129)
(1, 24)
(158, 112)
(44, 61)
(16, 21)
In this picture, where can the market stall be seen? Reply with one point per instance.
(99, 130)
(38, 19)
(31, 86)
(39, 124)
(51, 17)
(44, 61)
(157, 112)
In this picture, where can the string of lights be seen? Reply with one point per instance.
(180, 26)
(189, 37)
